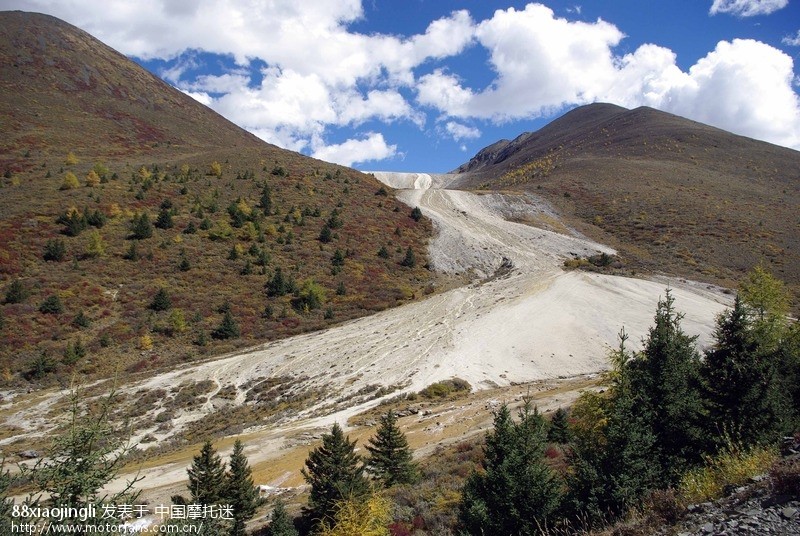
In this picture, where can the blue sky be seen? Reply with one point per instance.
(422, 85)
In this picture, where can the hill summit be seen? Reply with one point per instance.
(140, 229)
(62, 88)
(672, 194)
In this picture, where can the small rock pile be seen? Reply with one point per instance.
(764, 506)
(759, 513)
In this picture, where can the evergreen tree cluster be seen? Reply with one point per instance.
(338, 476)
(667, 409)
(210, 483)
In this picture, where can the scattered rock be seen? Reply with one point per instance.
(29, 454)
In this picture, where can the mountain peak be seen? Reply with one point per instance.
(64, 88)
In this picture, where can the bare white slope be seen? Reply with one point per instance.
(523, 318)
(529, 320)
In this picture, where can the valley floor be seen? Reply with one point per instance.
(522, 319)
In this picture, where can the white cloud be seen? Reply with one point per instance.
(320, 73)
(792, 41)
(545, 63)
(459, 131)
(200, 96)
(747, 8)
(373, 147)
(542, 63)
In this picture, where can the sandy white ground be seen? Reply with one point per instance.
(522, 319)
(532, 322)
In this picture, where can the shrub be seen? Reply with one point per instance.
(785, 477)
(51, 305)
(92, 179)
(55, 250)
(445, 388)
(16, 292)
(70, 182)
(733, 466)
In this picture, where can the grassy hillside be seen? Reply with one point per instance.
(91, 143)
(672, 194)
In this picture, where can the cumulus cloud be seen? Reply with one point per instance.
(544, 63)
(792, 41)
(319, 73)
(295, 70)
(458, 131)
(747, 8)
(372, 147)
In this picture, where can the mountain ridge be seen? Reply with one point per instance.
(675, 195)
(93, 145)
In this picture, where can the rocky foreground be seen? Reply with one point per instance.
(770, 504)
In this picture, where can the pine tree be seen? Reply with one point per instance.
(410, 260)
(240, 493)
(741, 380)
(667, 374)
(207, 477)
(391, 460)
(280, 523)
(335, 472)
(517, 492)
(559, 427)
(416, 214)
(228, 328)
(161, 301)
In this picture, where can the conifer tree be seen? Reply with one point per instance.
(228, 328)
(667, 374)
(161, 301)
(207, 477)
(240, 493)
(410, 260)
(16, 292)
(55, 250)
(141, 227)
(559, 427)
(83, 458)
(335, 472)
(517, 492)
(266, 200)
(280, 523)
(743, 388)
(390, 458)
(164, 219)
